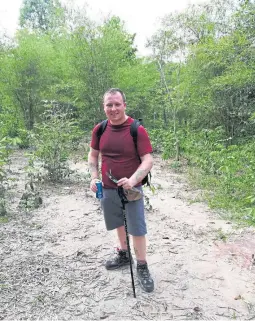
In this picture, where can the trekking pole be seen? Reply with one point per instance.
(125, 201)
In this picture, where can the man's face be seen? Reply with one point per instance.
(114, 108)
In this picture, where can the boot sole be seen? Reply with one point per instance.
(118, 267)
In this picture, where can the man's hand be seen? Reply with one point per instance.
(126, 183)
(93, 186)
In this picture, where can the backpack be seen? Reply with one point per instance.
(133, 132)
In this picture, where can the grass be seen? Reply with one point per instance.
(3, 219)
(217, 196)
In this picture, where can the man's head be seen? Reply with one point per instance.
(114, 102)
(113, 91)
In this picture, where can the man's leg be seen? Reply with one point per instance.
(137, 228)
(139, 243)
(122, 238)
(113, 215)
(143, 272)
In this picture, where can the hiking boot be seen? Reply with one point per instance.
(144, 277)
(120, 259)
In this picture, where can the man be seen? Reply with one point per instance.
(120, 156)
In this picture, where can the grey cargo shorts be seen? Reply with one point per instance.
(113, 213)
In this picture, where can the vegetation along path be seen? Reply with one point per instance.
(52, 258)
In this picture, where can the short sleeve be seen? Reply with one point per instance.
(143, 142)
(94, 139)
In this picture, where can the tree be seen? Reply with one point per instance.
(192, 26)
(42, 15)
(32, 64)
(244, 19)
(96, 55)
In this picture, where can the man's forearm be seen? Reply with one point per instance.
(93, 166)
(141, 172)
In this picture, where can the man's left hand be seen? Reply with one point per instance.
(126, 183)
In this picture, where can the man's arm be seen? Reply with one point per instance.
(142, 170)
(93, 167)
(93, 162)
(139, 174)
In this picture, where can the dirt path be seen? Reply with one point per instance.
(52, 259)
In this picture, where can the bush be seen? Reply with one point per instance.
(230, 169)
(6, 149)
(54, 140)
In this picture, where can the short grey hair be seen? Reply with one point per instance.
(113, 91)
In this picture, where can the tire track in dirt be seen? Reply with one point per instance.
(52, 260)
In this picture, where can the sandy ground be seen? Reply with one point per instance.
(52, 258)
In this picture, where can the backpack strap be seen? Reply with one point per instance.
(133, 131)
(101, 128)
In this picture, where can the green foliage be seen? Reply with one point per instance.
(195, 94)
(221, 235)
(44, 15)
(229, 169)
(53, 141)
(6, 149)
(191, 26)
(157, 137)
(208, 99)
(137, 80)
(33, 66)
(3, 219)
(30, 198)
(98, 55)
(24, 138)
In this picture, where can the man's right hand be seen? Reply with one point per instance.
(93, 186)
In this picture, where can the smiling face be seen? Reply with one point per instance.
(114, 108)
